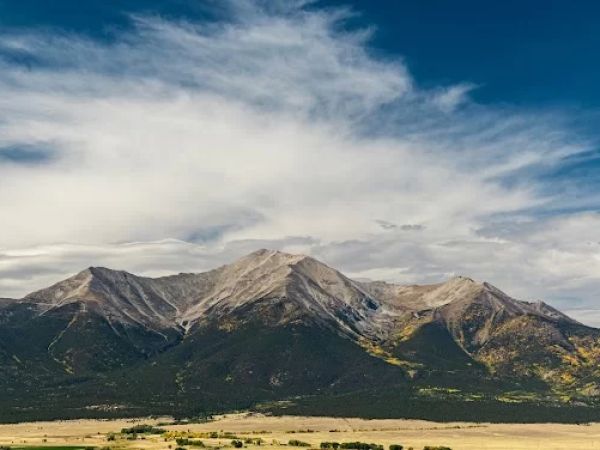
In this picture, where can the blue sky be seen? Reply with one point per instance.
(527, 52)
(405, 141)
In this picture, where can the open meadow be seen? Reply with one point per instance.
(255, 431)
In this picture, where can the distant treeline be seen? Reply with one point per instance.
(395, 402)
(375, 406)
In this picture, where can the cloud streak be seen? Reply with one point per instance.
(202, 141)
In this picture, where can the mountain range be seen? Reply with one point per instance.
(287, 334)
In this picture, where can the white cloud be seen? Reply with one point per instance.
(273, 130)
(450, 98)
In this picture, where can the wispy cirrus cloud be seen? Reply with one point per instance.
(202, 141)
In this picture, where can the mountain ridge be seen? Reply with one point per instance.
(269, 326)
(275, 278)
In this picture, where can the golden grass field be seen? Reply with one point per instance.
(277, 431)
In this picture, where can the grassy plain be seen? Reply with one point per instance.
(277, 431)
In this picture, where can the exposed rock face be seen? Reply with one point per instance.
(306, 288)
(226, 323)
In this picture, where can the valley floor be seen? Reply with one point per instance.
(276, 431)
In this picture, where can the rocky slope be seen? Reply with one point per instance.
(271, 326)
(302, 287)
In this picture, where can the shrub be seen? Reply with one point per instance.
(333, 445)
(142, 429)
(237, 444)
(110, 437)
(396, 447)
(297, 443)
(360, 446)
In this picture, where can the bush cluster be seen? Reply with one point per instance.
(360, 446)
(297, 443)
(351, 446)
(185, 441)
(142, 429)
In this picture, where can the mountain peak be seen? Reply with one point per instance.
(298, 286)
(264, 254)
(100, 271)
(70, 288)
(458, 288)
(461, 279)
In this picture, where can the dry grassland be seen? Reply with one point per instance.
(277, 431)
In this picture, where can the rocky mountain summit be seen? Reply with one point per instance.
(273, 326)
